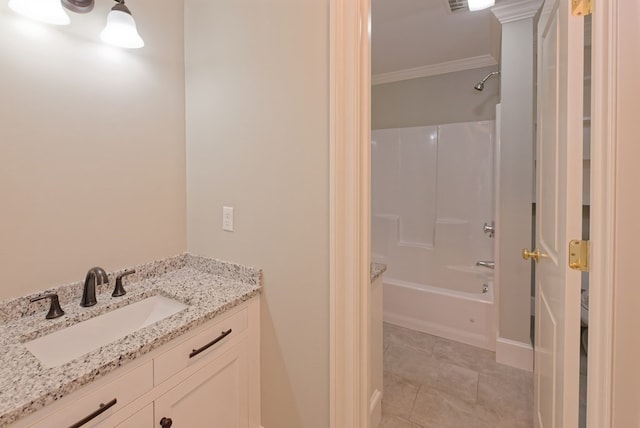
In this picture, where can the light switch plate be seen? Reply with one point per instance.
(227, 219)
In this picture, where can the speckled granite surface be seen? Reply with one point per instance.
(377, 269)
(208, 286)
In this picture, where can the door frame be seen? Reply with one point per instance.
(350, 105)
(604, 66)
(350, 281)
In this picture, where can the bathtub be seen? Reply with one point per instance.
(432, 191)
(457, 315)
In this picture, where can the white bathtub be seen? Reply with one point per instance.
(464, 317)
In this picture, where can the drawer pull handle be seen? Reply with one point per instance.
(103, 408)
(166, 422)
(210, 344)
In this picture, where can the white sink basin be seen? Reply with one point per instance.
(72, 342)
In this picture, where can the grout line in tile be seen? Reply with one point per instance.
(415, 398)
(435, 358)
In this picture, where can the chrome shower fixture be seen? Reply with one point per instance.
(489, 229)
(480, 85)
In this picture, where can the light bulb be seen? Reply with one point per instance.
(48, 11)
(121, 30)
(480, 4)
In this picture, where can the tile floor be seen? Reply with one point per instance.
(434, 382)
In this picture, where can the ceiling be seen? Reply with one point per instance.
(408, 34)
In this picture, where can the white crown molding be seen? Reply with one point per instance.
(517, 11)
(434, 69)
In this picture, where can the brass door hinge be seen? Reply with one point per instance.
(580, 7)
(579, 255)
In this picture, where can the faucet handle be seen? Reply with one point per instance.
(55, 310)
(489, 229)
(119, 289)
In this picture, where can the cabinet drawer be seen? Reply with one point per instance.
(211, 341)
(123, 390)
(143, 418)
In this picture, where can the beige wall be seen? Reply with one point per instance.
(257, 140)
(92, 164)
(626, 341)
(516, 180)
(434, 100)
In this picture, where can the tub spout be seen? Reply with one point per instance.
(487, 264)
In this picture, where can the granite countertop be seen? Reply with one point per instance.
(377, 269)
(209, 287)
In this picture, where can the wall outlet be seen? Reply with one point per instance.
(227, 219)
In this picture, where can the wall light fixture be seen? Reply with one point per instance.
(480, 4)
(120, 31)
(49, 11)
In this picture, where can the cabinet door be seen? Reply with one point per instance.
(216, 396)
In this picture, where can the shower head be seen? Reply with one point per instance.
(480, 85)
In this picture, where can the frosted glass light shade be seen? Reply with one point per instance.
(49, 11)
(480, 4)
(121, 31)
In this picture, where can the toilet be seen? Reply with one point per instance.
(584, 313)
(584, 308)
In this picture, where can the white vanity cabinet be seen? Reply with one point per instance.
(209, 377)
(115, 394)
(141, 418)
(217, 391)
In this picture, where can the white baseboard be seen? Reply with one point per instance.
(514, 354)
(440, 330)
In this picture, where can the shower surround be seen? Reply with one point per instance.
(432, 192)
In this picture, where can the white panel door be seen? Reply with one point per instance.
(558, 215)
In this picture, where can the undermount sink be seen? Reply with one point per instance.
(74, 341)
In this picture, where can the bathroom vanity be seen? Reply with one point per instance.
(197, 367)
